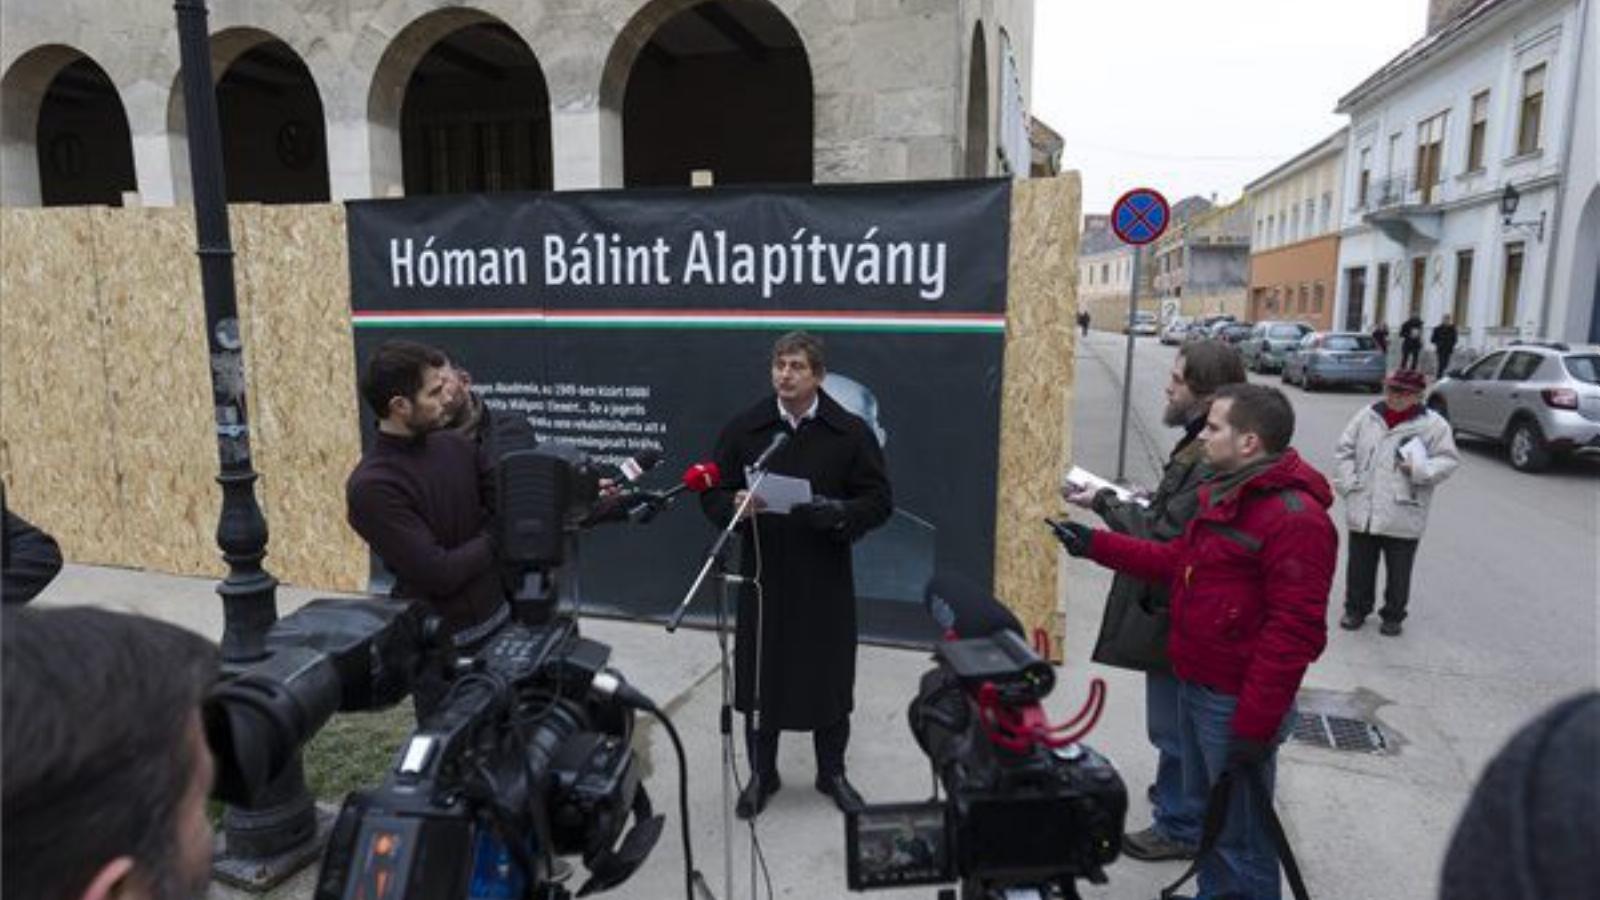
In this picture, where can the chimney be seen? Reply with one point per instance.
(1442, 12)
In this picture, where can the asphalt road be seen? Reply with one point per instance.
(1502, 624)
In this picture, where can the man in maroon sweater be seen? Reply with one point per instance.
(422, 498)
(1249, 581)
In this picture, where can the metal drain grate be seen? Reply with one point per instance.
(1339, 733)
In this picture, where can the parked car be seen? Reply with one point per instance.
(1174, 331)
(1335, 357)
(1143, 322)
(1205, 327)
(1264, 349)
(1232, 332)
(1540, 400)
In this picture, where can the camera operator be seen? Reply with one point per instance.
(421, 497)
(466, 413)
(105, 764)
(1249, 581)
(1133, 632)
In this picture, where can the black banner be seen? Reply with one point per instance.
(626, 320)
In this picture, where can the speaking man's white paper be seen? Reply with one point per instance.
(781, 493)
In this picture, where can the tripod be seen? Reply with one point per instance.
(716, 561)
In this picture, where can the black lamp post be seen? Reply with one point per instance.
(267, 843)
(1510, 198)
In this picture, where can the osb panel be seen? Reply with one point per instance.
(1036, 426)
(160, 388)
(55, 429)
(294, 289)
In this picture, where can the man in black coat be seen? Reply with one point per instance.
(805, 610)
(1444, 343)
(1133, 631)
(1411, 343)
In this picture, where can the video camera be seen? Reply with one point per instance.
(527, 757)
(1028, 810)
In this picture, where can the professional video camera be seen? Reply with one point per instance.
(1029, 810)
(527, 757)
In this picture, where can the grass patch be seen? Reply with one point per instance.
(354, 750)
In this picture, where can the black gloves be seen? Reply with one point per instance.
(1073, 536)
(823, 514)
(1245, 755)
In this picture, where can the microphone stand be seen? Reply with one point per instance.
(728, 580)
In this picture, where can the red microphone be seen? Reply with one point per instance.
(697, 479)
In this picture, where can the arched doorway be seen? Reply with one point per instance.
(720, 85)
(978, 106)
(476, 115)
(274, 147)
(66, 132)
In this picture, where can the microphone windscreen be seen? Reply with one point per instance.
(961, 606)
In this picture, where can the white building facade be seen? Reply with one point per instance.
(1436, 137)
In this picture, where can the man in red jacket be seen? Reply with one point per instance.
(1249, 581)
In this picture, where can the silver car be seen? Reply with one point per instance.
(1269, 343)
(1335, 357)
(1540, 400)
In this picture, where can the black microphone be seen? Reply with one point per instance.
(960, 606)
(633, 469)
(778, 440)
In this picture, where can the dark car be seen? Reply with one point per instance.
(1335, 357)
(1233, 332)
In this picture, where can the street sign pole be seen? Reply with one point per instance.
(1137, 218)
(1127, 366)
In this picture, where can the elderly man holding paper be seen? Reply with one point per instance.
(1387, 463)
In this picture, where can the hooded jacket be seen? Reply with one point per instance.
(1378, 497)
(1249, 581)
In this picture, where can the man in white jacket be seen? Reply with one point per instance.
(1387, 463)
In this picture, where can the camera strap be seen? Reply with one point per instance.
(610, 867)
(1217, 817)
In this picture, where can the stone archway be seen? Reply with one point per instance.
(459, 103)
(978, 106)
(718, 85)
(64, 137)
(274, 142)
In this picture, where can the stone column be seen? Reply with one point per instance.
(585, 146)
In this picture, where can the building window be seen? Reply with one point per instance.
(1316, 298)
(1271, 221)
(1511, 287)
(1294, 225)
(1478, 132)
(1305, 297)
(1458, 306)
(1327, 211)
(1430, 155)
(1355, 280)
(1311, 217)
(1363, 178)
(1532, 110)
(1419, 285)
(1105, 272)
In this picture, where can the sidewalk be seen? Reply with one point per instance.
(1332, 804)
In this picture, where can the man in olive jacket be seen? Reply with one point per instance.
(1133, 631)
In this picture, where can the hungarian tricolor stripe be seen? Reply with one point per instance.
(741, 319)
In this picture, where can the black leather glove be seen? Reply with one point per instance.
(1073, 536)
(1245, 755)
(823, 514)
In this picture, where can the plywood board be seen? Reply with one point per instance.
(1036, 416)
